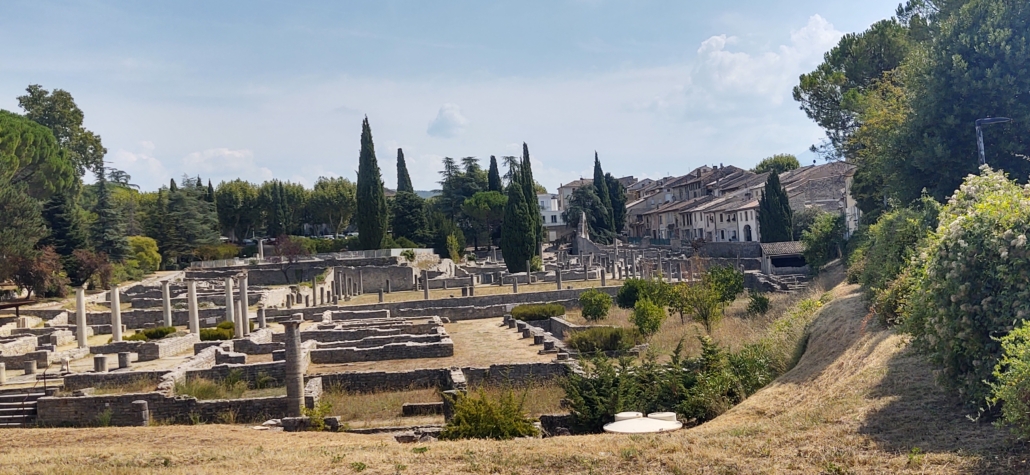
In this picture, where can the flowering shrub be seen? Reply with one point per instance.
(974, 284)
(1013, 375)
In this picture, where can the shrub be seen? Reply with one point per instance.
(537, 311)
(647, 317)
(138, 336)
(595, 304)
(479, 417)
(704, 302)
(158, 332)
(598, 393)
(823, 240)
(215, 334)
(408, 254)
(316, 416)
(972, 288)
(603, 339)
(1012, 389)
(657, 291)
(205, 389)
(143, 250)
(727, 281)
(214, 252)
(757, 304)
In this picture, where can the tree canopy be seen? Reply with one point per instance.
(57, 111)
(778, 163)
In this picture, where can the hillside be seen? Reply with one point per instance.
(858, 402)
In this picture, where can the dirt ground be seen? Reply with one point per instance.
(477, 343)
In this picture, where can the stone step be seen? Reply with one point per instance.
(26, 409)
(19, 397)
(18, 419)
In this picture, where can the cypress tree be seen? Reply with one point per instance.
(109, 228)
(607, 220)
(617, 193)
(210, 192)
(403, 179)
(536, 221)
(372, 216)
(67, 231)
(494, 177)
(171, 186)
(517, 239)
(774, 213)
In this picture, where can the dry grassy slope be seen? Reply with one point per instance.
(857, 402)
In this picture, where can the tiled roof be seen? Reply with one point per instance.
(789, 248)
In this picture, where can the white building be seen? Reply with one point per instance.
(551, 212)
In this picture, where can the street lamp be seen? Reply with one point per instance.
(980, 134)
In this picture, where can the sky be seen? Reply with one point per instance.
(277, 89)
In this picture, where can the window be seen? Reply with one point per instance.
(722, 234)
(720, 217)
(554, 218)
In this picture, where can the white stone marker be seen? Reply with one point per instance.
(191, 297)
(230, 315)
(166, 303)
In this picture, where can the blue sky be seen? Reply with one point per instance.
(269, 89)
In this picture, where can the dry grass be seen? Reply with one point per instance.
(858, 402)
(382, 409)
(477, 343)
(139, 385)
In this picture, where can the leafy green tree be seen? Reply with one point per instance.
(774, 213)
(779, 163)
(57, 111)
(31, 156)
(238, 211)
(831, 95)
(617, 193)
(108, 231)
(485, 211)
(403, 179)
(605, 220)
(595, 304)
(727, 281)
(584, 201)
(494, 182)
(21, 226)
(333, 202)
(517, 228)
(442, 229)
(372, 216)
(143, 250)
(647, 317)
(703, 300)
(283, 205)
(824, 241)
(408, 217)
(804, 219)
(39, 272)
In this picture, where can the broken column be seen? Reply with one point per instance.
(3, 374)
(166, 303)
(262, 321)
(230, 314)
(557, 277)
(116, 313)
(244, 304)
(100, 363)
(80, 317)
(380, 295)
(294, 375)
(472, 285)
(124, 360)
(191, 298)
(361, 284)
(604, 275)
(425, 285)
(515, 283)
(30, 366)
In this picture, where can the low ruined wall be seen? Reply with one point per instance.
(518, 373)
(18, 345)
(374, 381)
(557, 326)
(359, 314)
(143, 318)
(91, 380)
(150, 350)
(411, 307)
(393, 351)
(84, 410)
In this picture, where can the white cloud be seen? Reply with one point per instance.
(449, 122)
(225, 164)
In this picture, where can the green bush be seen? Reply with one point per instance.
(1012, 389)
(543, 311)
(158, 332)
(595, 304)
(657, 291)
(603, 339)
(727, 281)
(143, 250)
(704, 302)
(478, 417)
(972, 287)
(226, 325)
(824, 240)
(215, 334)
(205, 389)
(647, 317)
(757, 304)
(138, 336)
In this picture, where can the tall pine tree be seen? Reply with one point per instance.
(372, 216)
(108, 231)
(494, 177)
(517, 239)
(210, 192)
(67, 231)
(617, 193)
(536, 228)
(607, 220)
(403, 179)
(774, 213)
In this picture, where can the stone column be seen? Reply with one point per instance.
(30, 366)
(586, 271)
(321, 296)
(472, 285)
(388, 286)
(361, 283)
(262, 321)
(515, 283)
(261, 249)
(604, 275)
(166, 303)
(80, 317)
(230, 313)
(241, 309)
(314, 292)
(380, 295)
(100, 363)
(116, 313)
(294, 375)
(141, 413)
(244, 304)
(3, 374)
(425, 285)
(124, 360)
(191, 297)
(557, 277)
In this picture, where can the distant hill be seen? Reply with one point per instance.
(427, 194)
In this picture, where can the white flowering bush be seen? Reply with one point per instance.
(974, 284)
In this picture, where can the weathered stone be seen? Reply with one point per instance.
(123, 360)
(406, 437)
(100, 363)
(141, 413)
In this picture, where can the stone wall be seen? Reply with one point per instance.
(409, 307)
(519, 373)
(76, 381)
(392, 351)
(359, 314)
(18, 345)
(376, 381)
(144, 318)
(85, 410)
(374, 278)
(150, 350)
